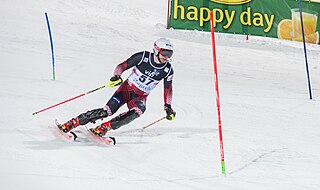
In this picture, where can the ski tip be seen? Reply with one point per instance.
(108, 140)
(113, 140)
(74, 136)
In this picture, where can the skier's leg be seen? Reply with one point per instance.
(124, 119)
(137, 109)
(93, 115)
(84, 118)
(115, 102)
(112, 106)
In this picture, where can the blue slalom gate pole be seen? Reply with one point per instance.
(305, 50)
(52, 51)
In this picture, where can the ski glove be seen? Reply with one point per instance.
(170, 113)
(114, 81)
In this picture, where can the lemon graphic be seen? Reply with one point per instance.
(311, 38)
(231, 2)
(285, 29)
(316, 1)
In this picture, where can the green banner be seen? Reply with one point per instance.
(271, 18)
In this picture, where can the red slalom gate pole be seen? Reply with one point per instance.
(223, 168)
(70, 99)
(168, 14)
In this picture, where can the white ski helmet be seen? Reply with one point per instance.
(164, 47)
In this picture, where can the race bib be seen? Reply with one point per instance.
(142, 82)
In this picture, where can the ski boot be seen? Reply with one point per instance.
(73, 123)
(102, 129)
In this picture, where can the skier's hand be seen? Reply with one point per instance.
(114, 81)
(170, 113)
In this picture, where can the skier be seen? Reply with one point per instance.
(148, 69)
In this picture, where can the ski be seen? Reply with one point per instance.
(70, 136)
(101, 140)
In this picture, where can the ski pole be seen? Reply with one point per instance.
(101, 87)
(142, 129)
(153, 123)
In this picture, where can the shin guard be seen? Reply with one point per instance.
(92, 116)
(123, 119)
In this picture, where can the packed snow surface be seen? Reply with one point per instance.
(270, 126)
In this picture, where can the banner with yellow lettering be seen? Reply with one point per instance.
(271, 18)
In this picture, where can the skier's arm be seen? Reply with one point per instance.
(116, 79)
(168, 97)
(127, 64)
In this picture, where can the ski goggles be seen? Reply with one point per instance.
(166, 53)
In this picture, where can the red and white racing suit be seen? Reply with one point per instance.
(145, 76)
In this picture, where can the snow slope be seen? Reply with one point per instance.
(270, 127)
